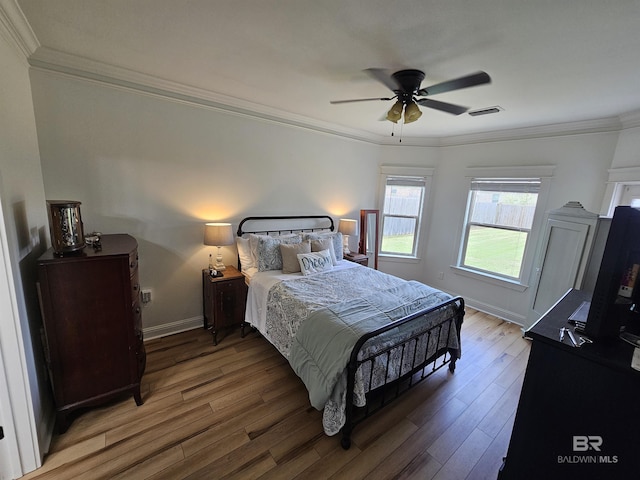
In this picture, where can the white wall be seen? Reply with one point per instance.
(159, 169)
(627, 151)
(581, 163)
(23, 240)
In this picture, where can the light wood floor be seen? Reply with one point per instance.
(238, 411)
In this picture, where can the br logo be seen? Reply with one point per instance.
(583, 443)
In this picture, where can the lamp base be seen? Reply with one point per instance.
(219, 265)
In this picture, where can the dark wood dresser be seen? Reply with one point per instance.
(90, 303)
(579, 409)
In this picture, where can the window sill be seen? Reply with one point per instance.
(398, 258)
(484, 277)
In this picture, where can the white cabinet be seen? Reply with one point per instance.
(562, 259)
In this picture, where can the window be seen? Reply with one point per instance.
(499, 218)
(403, 202)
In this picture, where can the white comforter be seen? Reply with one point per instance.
(259, 285)
(278, 304)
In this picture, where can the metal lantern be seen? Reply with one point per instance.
(65, 226)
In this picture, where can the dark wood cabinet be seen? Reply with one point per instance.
(90, 303)
(357, 258)
(579, 409)
(224, 300)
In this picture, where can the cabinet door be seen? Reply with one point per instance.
(225, 304)
(562, 253)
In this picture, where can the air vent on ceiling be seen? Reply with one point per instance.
(485, 111)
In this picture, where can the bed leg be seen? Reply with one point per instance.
(346, 441)
(452, 365)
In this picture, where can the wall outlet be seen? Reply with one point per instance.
(145, 296)
(440, 275)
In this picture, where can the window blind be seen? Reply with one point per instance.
(406, 181)
(520, 185)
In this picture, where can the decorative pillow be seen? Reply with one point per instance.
(315, 262)
(244, 252)
(289, 252)
(253, 244)
(269, 256)
(324, 244)
(336, 238)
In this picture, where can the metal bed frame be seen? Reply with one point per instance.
(407, 349)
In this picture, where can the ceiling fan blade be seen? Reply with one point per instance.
(384, 77)
(472, 80)
(335, 102)
(442, 106)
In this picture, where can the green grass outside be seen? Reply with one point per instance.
(402, 244)
(495, 250)
(489, 249)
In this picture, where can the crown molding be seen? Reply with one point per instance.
(630, 119)
(601, 125)
(15, 28)
(48, 59)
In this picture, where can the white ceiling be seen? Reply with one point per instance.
(551, 61)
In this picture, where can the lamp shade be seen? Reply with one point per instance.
(411, 112)
(218, 234)
(395, 113)
(347, 226)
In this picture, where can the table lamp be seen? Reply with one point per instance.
(218, 235)
(346, 227)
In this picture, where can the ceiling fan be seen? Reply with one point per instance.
(405, 84)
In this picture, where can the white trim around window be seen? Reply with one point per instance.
(425, 174)
(544, 173)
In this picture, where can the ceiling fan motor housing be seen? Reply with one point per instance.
(409, 82)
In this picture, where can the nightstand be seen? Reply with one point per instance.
(223, 301)
(360, 258)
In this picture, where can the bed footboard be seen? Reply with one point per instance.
(402, 364)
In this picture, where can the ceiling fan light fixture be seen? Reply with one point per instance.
(411, 112)
(395, 113)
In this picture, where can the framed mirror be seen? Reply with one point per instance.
(369, 236)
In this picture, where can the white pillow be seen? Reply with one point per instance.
(315, 262)
(244, 252)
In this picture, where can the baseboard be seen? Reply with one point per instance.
(172, 328)
(496, 312)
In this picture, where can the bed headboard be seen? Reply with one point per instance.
(285, 224)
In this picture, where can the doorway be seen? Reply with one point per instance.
(630, 196)
(8, 445)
